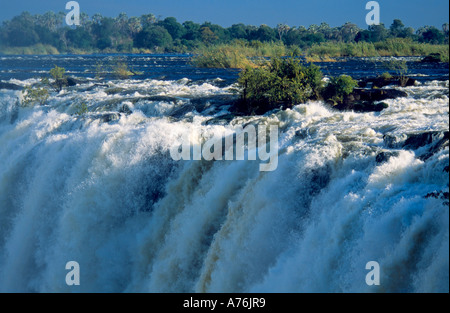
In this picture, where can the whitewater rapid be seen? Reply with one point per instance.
(101, 189)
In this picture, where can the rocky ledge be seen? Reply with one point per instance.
(368, 100)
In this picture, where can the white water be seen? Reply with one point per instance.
(108, 196)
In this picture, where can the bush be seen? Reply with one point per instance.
(338, 87)
(120, 70)
(400, 67)
(282, 82)
(34, 94)
(58, 74)
(386, 76)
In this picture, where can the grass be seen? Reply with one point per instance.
(240, 54)
(39, 49)
(389, 47)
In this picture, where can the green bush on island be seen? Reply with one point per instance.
(339, 87)
(280, 82)
(285, 82)
(34, 94)
(39, 93)
(400, 67)
(59, 75)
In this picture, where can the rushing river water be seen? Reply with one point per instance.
(101, 188)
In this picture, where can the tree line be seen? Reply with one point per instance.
(149, 33)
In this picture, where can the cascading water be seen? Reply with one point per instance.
(101, 189)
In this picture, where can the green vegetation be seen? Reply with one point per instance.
(39, 93)
(284, 82)
(46, 34)
(117, 67)
(389, 47)
(121, 70)
(338, 87)
(401, 69)
(238, 54)
(59, 75)
(82, 109)
(386, 76)
(34, 94)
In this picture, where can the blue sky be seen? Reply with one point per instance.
(413, 13)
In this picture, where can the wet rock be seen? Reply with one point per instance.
(435, 140)
(107, 117)
(125, 109)
(180, 111)
(72, 81)
(220, 120)
(369, 100)
(114, 91)
(380, 82)
(10, 86)
(441, 195)
(384, 156)
(301, 133)
(416, 141)
(438, 145)
(391, 141)
(432, 58)
(375, 94)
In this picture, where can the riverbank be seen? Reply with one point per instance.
(241, 54)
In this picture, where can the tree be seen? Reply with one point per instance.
(263, 33)
(282, 30)
(59, 75)
(375, 33)
(348, 32)
(445, 28)
(238, 31)
(208, 36)
(293, 38)
(79, 38)
(192, 31)
(147, 20)
(154, 37)
(134, 26)
(21, 32)
(396, 28)
(432, 36)
(174, 28)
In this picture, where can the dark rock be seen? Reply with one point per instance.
(301, 133)
(107, 117)
(125, 109)
(380, 82)
(113, 91)
(180, 111)
(384, 156)
(391, 141)
(72, 81)
(446, 169)
(416, 141)
(435, 140)
(10, 86)
(432, 58)
(369, 100)
(437, 146)
(375, 94)
(444, 195)
(220, 120)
